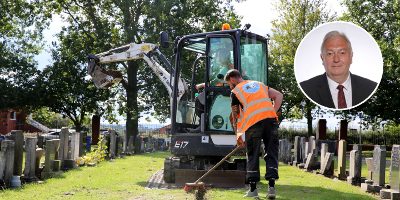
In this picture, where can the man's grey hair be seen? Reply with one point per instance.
(335, 34)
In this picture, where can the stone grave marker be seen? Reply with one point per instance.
(57, 149)
(7, 161)
(288, 151)
(342, 160)
(303, 149)
(63, 150)
(30, 159)
(309, 163)
(75, 146)
(324, 150)
(49, 158)
(395, 175)
(297, 150)
(311, 144)
(18, 137)
(82, 137)
(370, 166)
(113, 141)
(378, 174)
(130, 146)
(38, 156)
(326, 164)
(355, 169)
(306, 152)
(125, 144)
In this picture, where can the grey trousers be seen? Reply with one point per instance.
(267, 130)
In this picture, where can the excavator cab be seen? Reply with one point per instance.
(196, 151)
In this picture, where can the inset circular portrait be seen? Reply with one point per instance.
(338, 65)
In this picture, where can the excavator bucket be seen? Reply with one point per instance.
(102, 78)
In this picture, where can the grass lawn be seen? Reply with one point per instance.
(126, 179)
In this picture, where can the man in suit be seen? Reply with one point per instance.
(337, 88)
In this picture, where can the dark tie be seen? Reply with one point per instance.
(341, 98)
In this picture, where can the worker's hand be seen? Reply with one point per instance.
(201, 85)
(240, 142)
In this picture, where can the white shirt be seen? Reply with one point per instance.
(346, 90)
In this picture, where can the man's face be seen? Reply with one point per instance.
(232, 82)
(336, 57)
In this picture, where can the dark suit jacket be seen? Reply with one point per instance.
(317, 89)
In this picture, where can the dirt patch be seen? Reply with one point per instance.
(200, 194)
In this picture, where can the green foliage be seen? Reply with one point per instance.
(50, 119)
(101, 152)
(295, 19)
(382, 20)
(21, 26)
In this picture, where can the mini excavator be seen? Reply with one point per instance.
(195, 152)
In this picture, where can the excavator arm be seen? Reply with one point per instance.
(106, 78)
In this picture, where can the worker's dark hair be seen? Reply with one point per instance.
(232, 73)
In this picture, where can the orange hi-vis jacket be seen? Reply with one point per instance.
(256, 105)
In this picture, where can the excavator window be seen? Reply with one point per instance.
(253, 58)
(221, 54)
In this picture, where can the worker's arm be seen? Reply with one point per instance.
(200, 85)
(277, 97)
(235, 117)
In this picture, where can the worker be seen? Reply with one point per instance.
(255, 118)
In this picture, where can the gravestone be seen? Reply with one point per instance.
(63, 150)
(75, 146)
(288, 152)
(395, 175)
(342, 160)
(311, 144)
(7, 162)
(57, 149)
(321, 129)
(82, 141)
(326, 164)
(309, 163)
(303, 149)
(315, 148)
(125, 145)
(40, 142)
(138, 142)
(18, 137)
(113, 141)
(370, 166)
(49, 158)
(130, 146)
(30, 159)
(283, 150)
(306, 152)
(324, 150)
(355, 168)
(378, 174)
(38, 156)
(279, 152)
(297, 150)
(359, 159)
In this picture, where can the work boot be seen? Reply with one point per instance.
(271, 193)
(251, 194)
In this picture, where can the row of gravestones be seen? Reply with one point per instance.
(57, 157)
(305, 156)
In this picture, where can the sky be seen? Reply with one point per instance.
(259, 13)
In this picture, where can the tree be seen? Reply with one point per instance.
(68, 90)
(382, 20)
(296, 19)
(21, 26)
(109, 23)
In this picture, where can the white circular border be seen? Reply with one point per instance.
(367, 56)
